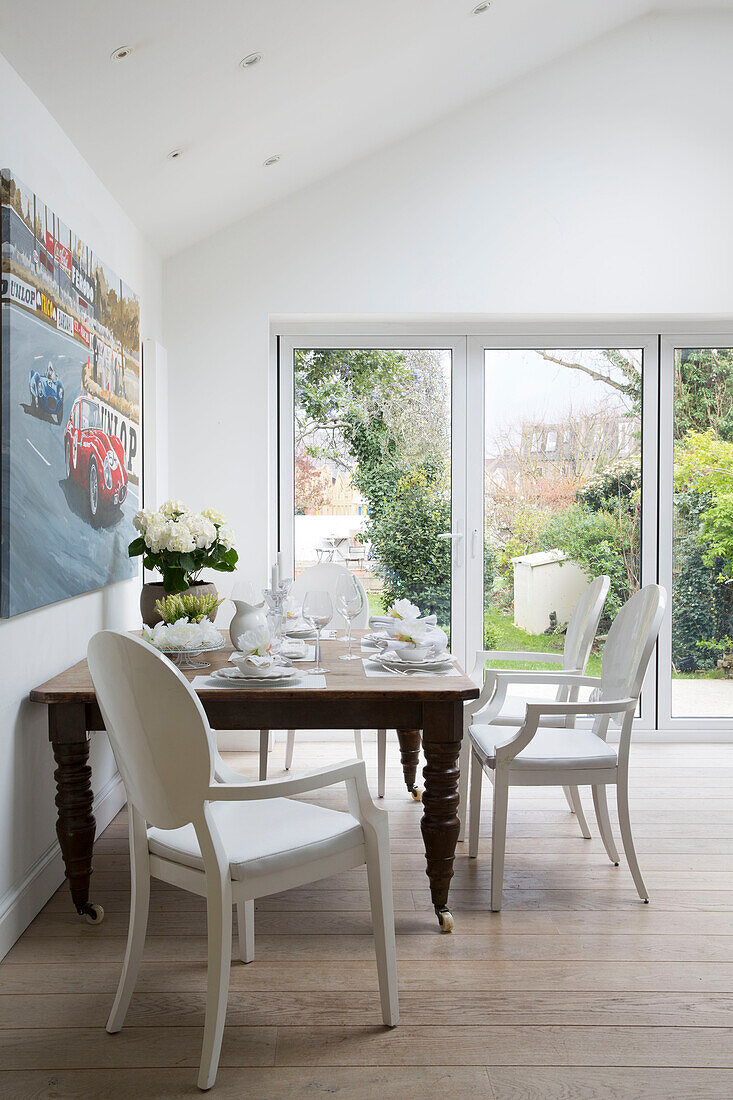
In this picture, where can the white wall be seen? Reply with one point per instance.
(600, 184)
(35, 646)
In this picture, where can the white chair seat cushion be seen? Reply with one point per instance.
(514, 712)
(549, 748)
(265, 836)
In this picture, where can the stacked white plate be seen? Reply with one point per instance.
(299, 629)
(441, 662)
(275, 676)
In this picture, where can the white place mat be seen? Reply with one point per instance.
(371, 668)
(304, 681)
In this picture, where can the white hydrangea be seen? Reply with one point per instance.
(180, 538)
(226, 536)
(214, 516)
(171, 507)
(142, 519)
(182, 635)
(202, 529)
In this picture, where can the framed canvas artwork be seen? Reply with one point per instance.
(71, 410)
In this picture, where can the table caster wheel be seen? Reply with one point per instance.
(445, 919)
(416, 794)
(93, 914)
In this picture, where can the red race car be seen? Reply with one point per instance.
(94, 459)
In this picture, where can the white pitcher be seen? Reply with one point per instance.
(246, 617)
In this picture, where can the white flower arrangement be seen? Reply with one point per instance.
(255, 643)
(182, 635)
(403, 609)
(413, 631)
(180, 543)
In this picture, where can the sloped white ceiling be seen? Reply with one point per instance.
(338, 79)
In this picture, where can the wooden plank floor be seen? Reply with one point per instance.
(575, 990)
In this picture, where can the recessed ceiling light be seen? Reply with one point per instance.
(120, 53)
(175, 154)
(250, 60)
(481, 8)
(271, 160)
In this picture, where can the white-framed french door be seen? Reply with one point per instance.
(689, 701)
(480, 398)
(453, 347)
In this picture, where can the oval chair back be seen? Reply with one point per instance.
(157, 727)
(583, 623)
(630, 643)
(325, 577)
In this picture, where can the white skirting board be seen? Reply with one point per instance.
(23, 902)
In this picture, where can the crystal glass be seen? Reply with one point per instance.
(318, 611)
(349, 604)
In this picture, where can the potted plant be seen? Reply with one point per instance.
(180, 544)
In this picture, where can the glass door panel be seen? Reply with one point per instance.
(702, 532)
(562, 489)
(368, 479)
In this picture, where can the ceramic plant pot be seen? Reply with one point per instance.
(154, 590)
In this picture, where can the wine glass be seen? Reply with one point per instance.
(318, 611)
(349, 604)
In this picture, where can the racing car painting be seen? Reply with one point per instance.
(94, 459)
(71, 442)
(47, 392)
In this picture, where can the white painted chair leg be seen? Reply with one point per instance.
(474, 821)
(358, 745)
(498, 840)
(139, 904)
(622, 794)
(569, 799)
(289, 746)
(264, 748)
(604, 822)
(379, 877)
(464, 765)
(381, 761)
(246, 930)
(219, 928)
(577, 807)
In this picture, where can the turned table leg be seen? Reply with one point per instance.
(75, 824)
(442, 733)
(410, 752)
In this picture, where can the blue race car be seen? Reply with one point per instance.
(47, 392)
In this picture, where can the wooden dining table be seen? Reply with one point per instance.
(425, 708)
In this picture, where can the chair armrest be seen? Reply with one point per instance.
(613, 706)
(568, 677)
(518, 655)
(286, 788)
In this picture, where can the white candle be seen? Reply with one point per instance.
(273, 579)
(280, 572)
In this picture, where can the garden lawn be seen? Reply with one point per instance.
(511, 637)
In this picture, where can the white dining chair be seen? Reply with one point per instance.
(230, 842)
(325, 576)
(498, 708)
(533, 755)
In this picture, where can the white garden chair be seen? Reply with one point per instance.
(326, 577)
(230, 842)
(498, 708)
(533, 755)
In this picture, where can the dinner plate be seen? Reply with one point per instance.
(431, 664)
(300, 633)
(288, 676)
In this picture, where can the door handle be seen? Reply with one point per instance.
(451, 535)
(474, 542)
